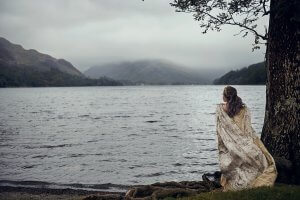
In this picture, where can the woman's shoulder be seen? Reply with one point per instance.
(245, 107)
(244, 110)
(220, 105)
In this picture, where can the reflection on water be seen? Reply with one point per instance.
(119, 135)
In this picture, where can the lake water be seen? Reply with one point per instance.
(118, 135)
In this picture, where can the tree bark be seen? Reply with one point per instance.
(281, 128)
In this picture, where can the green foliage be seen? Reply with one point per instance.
(26, 76)
(283, 192)
(253, 75)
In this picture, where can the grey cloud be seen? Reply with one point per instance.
(93, 32)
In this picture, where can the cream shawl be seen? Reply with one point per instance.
(244, 160)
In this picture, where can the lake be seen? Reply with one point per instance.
(123, 135)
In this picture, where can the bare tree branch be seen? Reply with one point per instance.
(213, 14)
(246, 27)
(264, 7)
(236, 24)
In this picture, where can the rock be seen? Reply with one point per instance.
(173, 192)
(171, 189)
(104, 197)
(284, 169)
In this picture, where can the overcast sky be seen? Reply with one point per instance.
(94, 32)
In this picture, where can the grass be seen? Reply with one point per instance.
(278, 192)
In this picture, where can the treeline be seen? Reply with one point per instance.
(253, 75)
(26, 76)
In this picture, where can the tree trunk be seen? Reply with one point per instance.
(281, 130)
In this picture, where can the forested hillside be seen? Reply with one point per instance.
(252, 75)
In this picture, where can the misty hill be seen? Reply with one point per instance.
(20, 67)
(252, 75)
(14, 54)
(157, 72)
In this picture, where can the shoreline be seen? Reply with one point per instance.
(108, 187)
(44, 190)
(277, 192)
(19, 192)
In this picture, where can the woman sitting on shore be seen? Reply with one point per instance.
(244, 160)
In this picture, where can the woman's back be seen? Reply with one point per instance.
(239, 118)
(244, 161)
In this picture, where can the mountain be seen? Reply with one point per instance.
(157, 72)
(13, 54)
(26, 68)
(252, 75)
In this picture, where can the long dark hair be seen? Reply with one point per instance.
(234, 102)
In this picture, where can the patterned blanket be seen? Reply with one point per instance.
(244, 160)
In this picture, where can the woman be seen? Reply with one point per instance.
(244, 160)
